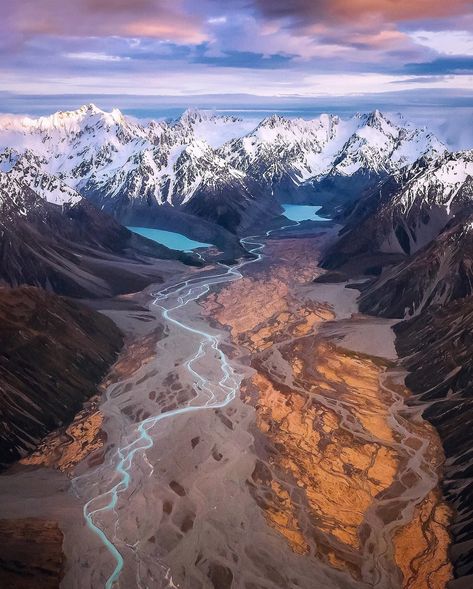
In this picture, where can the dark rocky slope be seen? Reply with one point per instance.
(53, 354)
(440, 272)
(437, 350)
(404, 213)
(72, 249)
(31, 556)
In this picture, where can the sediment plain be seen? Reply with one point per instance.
(275, 451)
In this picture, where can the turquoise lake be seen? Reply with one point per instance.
(302, 213)
(175, 241)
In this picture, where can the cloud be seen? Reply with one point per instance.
(379, 25)
(240, 59)
(447, 42)
(146, 18)
(429, 80)
(90, 56)
(217, 20)
(261, 46)
(303, 12)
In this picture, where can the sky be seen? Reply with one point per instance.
(257, 52)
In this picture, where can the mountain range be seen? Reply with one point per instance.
(216, 168)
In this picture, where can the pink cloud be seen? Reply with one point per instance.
(147, 18)
(359, 10)
(371, 26)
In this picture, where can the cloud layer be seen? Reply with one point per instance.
(266, 47)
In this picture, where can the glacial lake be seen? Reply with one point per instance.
(175, 241)
(302, 213)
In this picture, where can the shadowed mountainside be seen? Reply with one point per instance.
(31, 554)
(404, 213)
(54, 353)
(72, 249)
(436, 348)
(438, 273)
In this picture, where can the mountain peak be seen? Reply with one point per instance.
(194, 115)
(90, 108)
(84, 110)
(273, 121)
(107, 153)
(376, 117)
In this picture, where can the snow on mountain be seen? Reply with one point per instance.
(301, 148)
(8, 159)
(408, 210)
(56, 136)
(107, 153)
(65, 248)
(109, 157)
(12, 197)
(216, 130)
(309, 150)
(431, 193)
(24, 188)
(386, 144)
(26, 169)
(439, 183)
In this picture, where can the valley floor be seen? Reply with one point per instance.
(315, 474)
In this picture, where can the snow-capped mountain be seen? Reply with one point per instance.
(432, 193)
(26, 168)
(408, 210)
(307, 151)
(216, 167)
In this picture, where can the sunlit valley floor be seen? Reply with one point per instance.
(316, 475)
(184, 405)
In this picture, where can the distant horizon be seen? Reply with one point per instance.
(35, 103)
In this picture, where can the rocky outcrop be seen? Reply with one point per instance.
(54, 354)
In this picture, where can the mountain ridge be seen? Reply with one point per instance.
(71, 248)
(125, 165)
